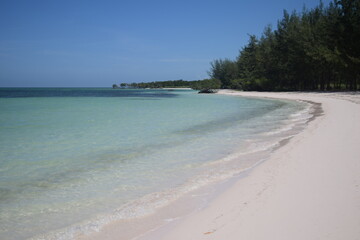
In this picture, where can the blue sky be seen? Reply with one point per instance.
(53, 43)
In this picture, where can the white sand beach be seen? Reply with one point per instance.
(308, 189)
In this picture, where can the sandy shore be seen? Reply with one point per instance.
(309, 189)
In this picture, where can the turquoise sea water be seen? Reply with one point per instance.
(72, 160)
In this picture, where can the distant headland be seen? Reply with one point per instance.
(203, 86)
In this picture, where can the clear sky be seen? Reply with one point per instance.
(75, 43)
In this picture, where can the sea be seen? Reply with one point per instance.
(75, 159)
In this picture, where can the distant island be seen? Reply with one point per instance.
(315, 50)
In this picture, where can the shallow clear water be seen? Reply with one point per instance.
(70, 156)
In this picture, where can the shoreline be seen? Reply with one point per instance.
(212, 180)
(308, 189)
(193, 203)
(155, 209)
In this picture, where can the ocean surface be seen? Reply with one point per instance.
(75, 159)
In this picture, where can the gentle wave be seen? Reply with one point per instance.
(256, 151)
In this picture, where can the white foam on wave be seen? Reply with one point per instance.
(293, 121)
(142, 207)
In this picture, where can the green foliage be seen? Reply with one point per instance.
(207, 84)
(237, 83)
(159, 84)
(316, 50)
(223, 70)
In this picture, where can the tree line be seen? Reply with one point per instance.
(317, 49)
(157, 84)
(205, 84)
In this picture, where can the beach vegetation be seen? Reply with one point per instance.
(223, 70)
(205, 85)
(314, 50)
